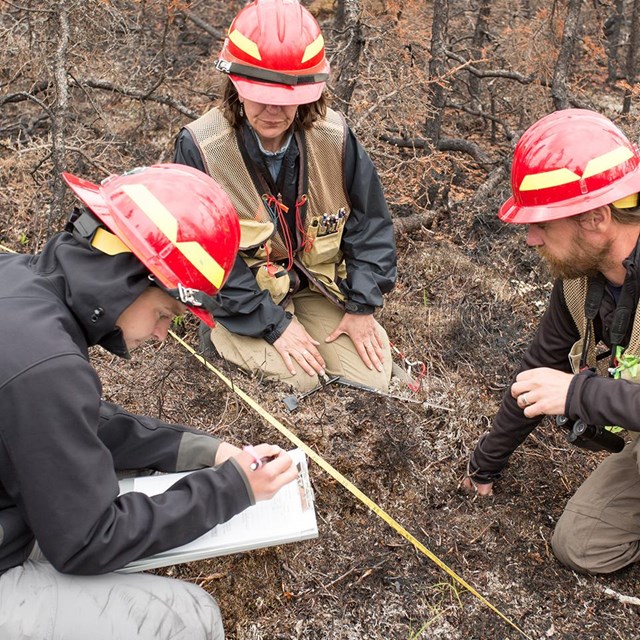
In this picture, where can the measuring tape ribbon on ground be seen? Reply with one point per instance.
(347, 484)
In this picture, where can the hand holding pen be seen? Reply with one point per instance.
(257, 460)
(267, 469)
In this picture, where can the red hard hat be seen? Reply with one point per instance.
(176, 220)
(274, 54)
(569, 162)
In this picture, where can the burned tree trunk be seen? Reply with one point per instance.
(559, 91)
(348, 23)
(437, 69)
(61, 107)
(612, 32)
(632, 55)
(479, 37)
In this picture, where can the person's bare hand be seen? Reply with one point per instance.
(364, 335)
(541, 391)
(296, 344)
(267, 480)
(224, 452)
(477, 488)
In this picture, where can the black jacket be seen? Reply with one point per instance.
(368, 241)
(60, 444)
(595, 399)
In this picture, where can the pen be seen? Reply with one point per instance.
(257, 460)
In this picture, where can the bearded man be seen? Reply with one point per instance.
(575, 181)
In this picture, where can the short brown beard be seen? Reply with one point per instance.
(583, 260)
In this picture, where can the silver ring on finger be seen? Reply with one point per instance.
(525, 401)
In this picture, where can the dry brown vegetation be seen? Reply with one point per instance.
(99, 86)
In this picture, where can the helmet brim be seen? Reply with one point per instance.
(205, 316)
(277, 94)
(89, 193)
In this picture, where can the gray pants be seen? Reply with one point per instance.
(39, 603)
(599, 530)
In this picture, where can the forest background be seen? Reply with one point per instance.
(439, 93)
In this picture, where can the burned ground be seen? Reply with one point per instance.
(360, 578)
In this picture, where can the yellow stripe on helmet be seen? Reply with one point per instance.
(245, 44)
(547, 179)
(559, 177)
(313, 49)
(193, 251)
(607, 161)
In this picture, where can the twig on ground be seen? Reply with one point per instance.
(621, 598)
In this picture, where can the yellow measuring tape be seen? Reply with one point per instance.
(336, 475)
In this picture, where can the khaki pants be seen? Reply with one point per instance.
(39, 603)
(319, 317)
(599, 530)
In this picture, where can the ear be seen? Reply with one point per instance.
(598, 219)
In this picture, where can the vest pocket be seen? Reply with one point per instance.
(326, 274)
(274, 279)
(323, 241)
(574, 356)
(254, 233)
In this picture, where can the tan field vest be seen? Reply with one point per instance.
(575, 295)
(321, 258)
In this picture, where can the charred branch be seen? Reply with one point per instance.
(470, 148)
(444, 144)
(21, 96)
(39, 87)
(488, 187)
(412, 223)
(490, 73)
(508, 132)
(612, 32)
(138, 94)
(205, 26)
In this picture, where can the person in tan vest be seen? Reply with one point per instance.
(575, 181)
(317, 250)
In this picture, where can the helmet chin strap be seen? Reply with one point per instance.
(190, 297)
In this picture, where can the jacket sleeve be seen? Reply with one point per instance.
(550, 348)
(604, 401)
(60, 472)
(368, 242)
(140, 442)
(241, 306)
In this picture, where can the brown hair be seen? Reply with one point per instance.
(231, 107)
(625, 216)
